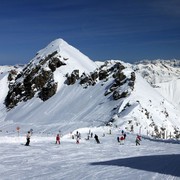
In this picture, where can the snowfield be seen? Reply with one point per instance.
(44, 159)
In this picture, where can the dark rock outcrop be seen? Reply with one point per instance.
(38, 79)
(71, 79)
(122, 86)
(33, 78)
(48, 91)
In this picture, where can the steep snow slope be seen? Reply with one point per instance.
(4, 73)
(56, 65)
(170, 90)
(4, 87)
(164, 76)
(73, 58)
(146, 108)
(101, 94)
(158, 71)
(72, 106)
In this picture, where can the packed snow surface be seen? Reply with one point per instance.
(43, 159)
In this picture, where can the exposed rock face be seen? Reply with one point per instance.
(71, 79)
(103, 74)
(33, 79)
(38, 79)
(55, 63)
(12, 75)
(48, 91)
(121, 86)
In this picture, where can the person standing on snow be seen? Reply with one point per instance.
(118, 139)
(77, 140)
(28, 138)
(96, 138)
(77, 137)
(122, 140)
(58, 139)
(138, 139)
(124, 136)
(91, 135)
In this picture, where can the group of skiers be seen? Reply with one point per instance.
(77, 136)
(120, 138)
(90, 134)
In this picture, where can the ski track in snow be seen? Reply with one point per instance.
(88, 160)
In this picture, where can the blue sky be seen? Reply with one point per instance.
(128, 30)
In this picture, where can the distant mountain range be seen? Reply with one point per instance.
(62, 89)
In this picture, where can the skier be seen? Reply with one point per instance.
(77, 135)
(122, 140)
(77, 140)
(58, 139)
(96, 138)
(138, 139)
(87, 137)
(124, 136)
(28, 138)
(118, 139)
(91, 135)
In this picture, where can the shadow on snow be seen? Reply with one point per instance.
(164, 164)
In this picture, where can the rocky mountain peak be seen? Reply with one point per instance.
(37, 77)
(76, 89)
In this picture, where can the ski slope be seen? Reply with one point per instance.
(87, 160)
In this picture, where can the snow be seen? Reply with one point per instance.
(73, 58)
(43, 159)
(170, 90)
(74, 108)
(145, 97)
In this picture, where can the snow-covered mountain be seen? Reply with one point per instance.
(164, 75)
(62, 89)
